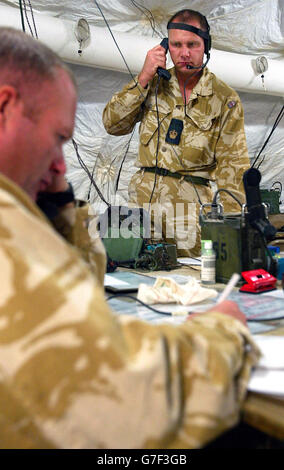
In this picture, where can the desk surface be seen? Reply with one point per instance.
(264, 412)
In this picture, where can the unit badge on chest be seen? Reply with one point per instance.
(174, 131)
(173, 134)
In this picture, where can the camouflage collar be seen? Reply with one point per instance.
(10, 187)
(203, 88)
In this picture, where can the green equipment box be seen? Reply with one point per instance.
(238, 246)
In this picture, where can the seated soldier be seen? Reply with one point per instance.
(73, 374)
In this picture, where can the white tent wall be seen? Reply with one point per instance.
(239, 26)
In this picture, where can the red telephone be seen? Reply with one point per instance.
(258, 280)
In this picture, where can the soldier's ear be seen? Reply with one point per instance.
(8, 102)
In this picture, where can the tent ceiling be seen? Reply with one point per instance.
(236, 25)
(253, 27)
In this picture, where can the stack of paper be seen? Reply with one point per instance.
(268, 376)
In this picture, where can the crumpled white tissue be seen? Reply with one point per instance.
(166, 290)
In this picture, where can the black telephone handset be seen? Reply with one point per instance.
(255, 210)
(163, 73)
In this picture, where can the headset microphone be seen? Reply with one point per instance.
(201, 67)
(190, 67)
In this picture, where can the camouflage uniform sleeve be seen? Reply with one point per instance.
(75, 375)
(122, 112)
(196, 377)
(78, 226)
(231, 154)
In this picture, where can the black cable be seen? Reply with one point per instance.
(123, 58)
(184, 90)
(248, 319)
(158, 138)
(195, 189)
(275, 189)
(126, 152)
(185, 114)
(32, 13)
(27, 18)
(264, 319)
(84, 166)
(150, 18)
(143, 10)
(277, 120)
(195, 267)
(22, 15)
(90, 187)
(225, 191)
(139, 301)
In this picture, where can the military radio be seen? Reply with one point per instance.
(126, 235)
(240, 240)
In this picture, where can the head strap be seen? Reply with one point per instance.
(203, 34)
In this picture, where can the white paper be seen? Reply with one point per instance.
(269, 382)
(190, 261)
(272, 350)
(112, 281)
(268, 376)
(275, 293)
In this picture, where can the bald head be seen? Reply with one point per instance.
(26, 64)
(37, 110)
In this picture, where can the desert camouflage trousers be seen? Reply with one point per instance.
(174, 209)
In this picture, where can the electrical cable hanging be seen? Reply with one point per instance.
(90, 187)
(118, 48)
(124, 157)
(158, 136)
(158, 139)
(185, 114)
(32, 14)
(23, 9)
(128, 144)
(84, 166)
(22, 16)
(150, 18)
(214, 202)
(277, 120)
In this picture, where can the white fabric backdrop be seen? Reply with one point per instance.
(241, 26)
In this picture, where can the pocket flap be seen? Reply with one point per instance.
(149, 126)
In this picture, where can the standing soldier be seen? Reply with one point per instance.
(191, 132)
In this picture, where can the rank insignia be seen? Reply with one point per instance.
(231, 104)
(174, 131)
(173, 134)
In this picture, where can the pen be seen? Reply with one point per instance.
(229, 287)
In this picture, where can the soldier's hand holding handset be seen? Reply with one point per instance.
(155, 58)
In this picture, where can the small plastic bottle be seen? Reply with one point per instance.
(208, 262)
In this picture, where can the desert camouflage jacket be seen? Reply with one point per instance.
(212, 142)
(79, 227)
(74, 375)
